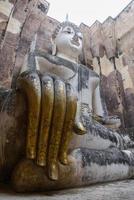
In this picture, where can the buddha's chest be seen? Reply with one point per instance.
(45, 66)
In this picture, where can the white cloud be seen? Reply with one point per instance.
(86, 11)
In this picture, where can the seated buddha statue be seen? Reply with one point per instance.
(65, 144)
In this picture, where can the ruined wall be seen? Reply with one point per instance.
(108, 48)
(19, 21)
(112, 48)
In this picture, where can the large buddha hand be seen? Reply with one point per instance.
(52, 108)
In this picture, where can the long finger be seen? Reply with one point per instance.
(45, 120)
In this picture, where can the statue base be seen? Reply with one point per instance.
(85, 167)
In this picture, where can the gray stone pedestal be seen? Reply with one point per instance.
(122, 190)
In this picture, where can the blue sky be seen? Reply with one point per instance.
(86, 11)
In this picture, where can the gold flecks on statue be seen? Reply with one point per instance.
(71, 106)
(29, 83)
(45, 119)
(56, 128)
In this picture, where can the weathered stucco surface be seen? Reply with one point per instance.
(108, 48)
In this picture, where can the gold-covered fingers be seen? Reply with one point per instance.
(29, 83)
(79, 128)
(56, 128)
(47, 102)
(71, 106)
(78, 125)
